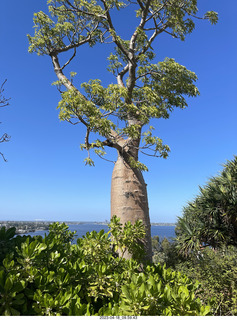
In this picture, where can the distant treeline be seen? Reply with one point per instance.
(26, 226)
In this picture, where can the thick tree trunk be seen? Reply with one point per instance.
(129, 199)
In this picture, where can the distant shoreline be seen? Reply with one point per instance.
(77, 222)
(23, 227)
(163, 224)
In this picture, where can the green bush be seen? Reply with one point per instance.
(165, 252)
(51, 276)
(9, 242)
(216, 270)
(158, 291)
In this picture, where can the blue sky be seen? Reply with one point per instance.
(45, 177)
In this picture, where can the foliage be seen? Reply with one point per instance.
(216, 270)
(9, 242)
(51, 276)
(206, 242)
(158, 291)
(165, 252)
(211, 219)
(142, 91)
(128, 238)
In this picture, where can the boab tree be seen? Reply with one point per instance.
(119, 114)
(3, 103)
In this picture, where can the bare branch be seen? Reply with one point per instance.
(151, 155)
(106, 159)
(73, 123)
(3, 101)
(148, 73)
(107, 114)
(1, 154)
(87, 139)
(73, 56)
(5, 138)
(71, 45)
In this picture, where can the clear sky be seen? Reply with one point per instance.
(45, 177)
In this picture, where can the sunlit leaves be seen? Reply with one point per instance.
(212, 16)
(164, 86)
(170, 81)
(143, 91)
(137, 164)
(155, 144)
(75, 104)
(114, 64)
(88, 161)
(51, 276)
(180, 24)
(65, 29)
(211, 218)
(145, 294)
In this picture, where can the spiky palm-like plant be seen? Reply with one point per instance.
(211, 219)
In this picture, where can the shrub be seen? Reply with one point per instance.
(216, 271)
(51, 276)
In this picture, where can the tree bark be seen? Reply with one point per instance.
(129, 199)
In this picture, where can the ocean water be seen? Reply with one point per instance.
(82, 229)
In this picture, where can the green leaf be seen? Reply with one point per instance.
(126, 292)
(8, 284)
(2, 278)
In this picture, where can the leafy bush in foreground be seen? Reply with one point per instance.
(50, 276)
(216, 271)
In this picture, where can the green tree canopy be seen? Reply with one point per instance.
(143, 90)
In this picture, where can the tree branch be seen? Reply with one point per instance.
(3, 157)
(72, 45)
(114, 34)
(152, 38)
(121, 75)
(5, 138)
(72, 57)
(87, 138)
(116, 138)
(76, 9)
(3, 101)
